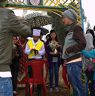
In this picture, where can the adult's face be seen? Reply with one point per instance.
(53, 35)
(67, 21)
(36, 38)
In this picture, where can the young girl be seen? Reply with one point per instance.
(53, 51)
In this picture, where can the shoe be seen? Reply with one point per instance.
(50, 90)
(57, 89)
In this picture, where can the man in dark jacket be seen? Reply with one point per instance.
(74, 43)
(9, 25)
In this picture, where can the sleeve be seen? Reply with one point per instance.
(42, 51)
(89, 54)
(16, 26)
(27, 50)
(78, 36)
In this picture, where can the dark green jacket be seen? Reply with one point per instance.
(9, 25)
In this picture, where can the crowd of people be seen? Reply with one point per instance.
(76, 55)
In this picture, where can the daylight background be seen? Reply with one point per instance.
(89, 8)
(87, 5)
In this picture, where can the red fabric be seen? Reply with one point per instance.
(22, 62)
(22, 70)
(37, 70)
(93, 60)
(65, 78)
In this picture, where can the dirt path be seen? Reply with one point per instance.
(62, 90)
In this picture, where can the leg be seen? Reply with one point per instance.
(92, 91)
(56, 73)
(74, 74)
(39, 90)
(30, 74)
(64, 75)
(14, 71)
(51, 74)
(90, 75)
(6, 87)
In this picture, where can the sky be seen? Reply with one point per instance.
(89, 8)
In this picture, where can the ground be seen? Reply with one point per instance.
(62, 90)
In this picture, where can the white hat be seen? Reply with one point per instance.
(36, 32)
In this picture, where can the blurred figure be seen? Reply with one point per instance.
(53, 51)
(89, 64)
(15, 64)
(10, 25)
(74, 43)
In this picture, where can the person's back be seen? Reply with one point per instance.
(5, 41)
(9, 25)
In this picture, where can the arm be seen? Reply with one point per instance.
(16, 26)
(42, 51)
(78, 36)
(27, 50)
(89, 54)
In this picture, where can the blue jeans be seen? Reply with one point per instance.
(54, 72)
(6, 87)
(74, 71)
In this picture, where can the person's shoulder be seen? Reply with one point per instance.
(77, 26)
(29, 38)
(41, 42)
(78, 29)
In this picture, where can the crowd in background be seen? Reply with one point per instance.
(78, 50)
(54, 57)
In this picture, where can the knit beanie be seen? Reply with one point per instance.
(71, 14)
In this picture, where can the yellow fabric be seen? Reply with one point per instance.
(32, 46)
